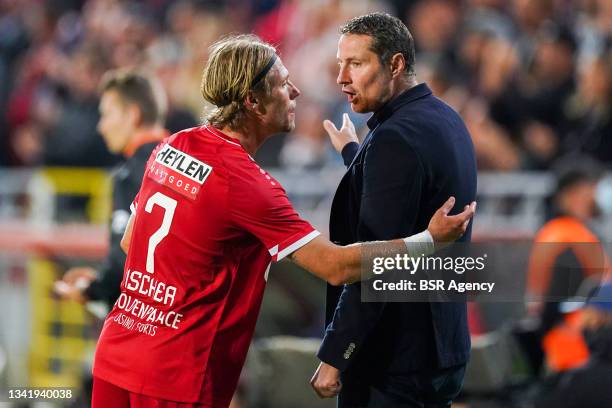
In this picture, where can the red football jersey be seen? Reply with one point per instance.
(208, 222)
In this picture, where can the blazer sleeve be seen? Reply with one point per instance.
(393, 177)
(348, 152)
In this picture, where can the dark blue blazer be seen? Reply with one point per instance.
(417, 154)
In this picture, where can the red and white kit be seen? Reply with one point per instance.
(208, 222)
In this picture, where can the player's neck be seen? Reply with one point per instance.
(250, 139)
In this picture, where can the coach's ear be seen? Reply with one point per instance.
(398, 65)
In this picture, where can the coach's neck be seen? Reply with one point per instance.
(401, 84)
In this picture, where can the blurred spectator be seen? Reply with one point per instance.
(133, 109)
(566, 251)
(529, 15)
(532, 78)
(531, 104)
(434, 23)
(590, 111)
(589, 385)
(72, 139)
(553, 76)
(593, 28)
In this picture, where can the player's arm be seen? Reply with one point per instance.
(127, 235)
(342, 264)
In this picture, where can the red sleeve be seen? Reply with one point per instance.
(260, 206)
(134, 205)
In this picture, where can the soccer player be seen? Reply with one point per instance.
(205, 226)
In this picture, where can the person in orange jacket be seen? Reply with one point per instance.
(566, 251)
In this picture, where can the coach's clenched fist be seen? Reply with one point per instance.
(326, 381)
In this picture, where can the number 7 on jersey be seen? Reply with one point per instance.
(169, 205)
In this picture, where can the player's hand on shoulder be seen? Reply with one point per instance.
(449, 228)
(343, 136)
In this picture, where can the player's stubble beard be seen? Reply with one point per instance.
(289, 116)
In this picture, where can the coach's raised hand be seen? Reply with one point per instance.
(448, 228)
(343, 136)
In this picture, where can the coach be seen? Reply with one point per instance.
(417, 153)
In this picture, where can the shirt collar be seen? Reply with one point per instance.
(218, 133)
(394, 104)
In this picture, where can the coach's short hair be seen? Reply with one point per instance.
(389, 37)
(233, 64)
(140, 89)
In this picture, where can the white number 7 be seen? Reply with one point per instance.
(169, 205)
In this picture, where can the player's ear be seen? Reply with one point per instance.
(251, 102)
(398, 64)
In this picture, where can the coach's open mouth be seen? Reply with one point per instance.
(349, 94)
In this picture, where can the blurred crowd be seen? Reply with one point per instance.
(531, 78)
